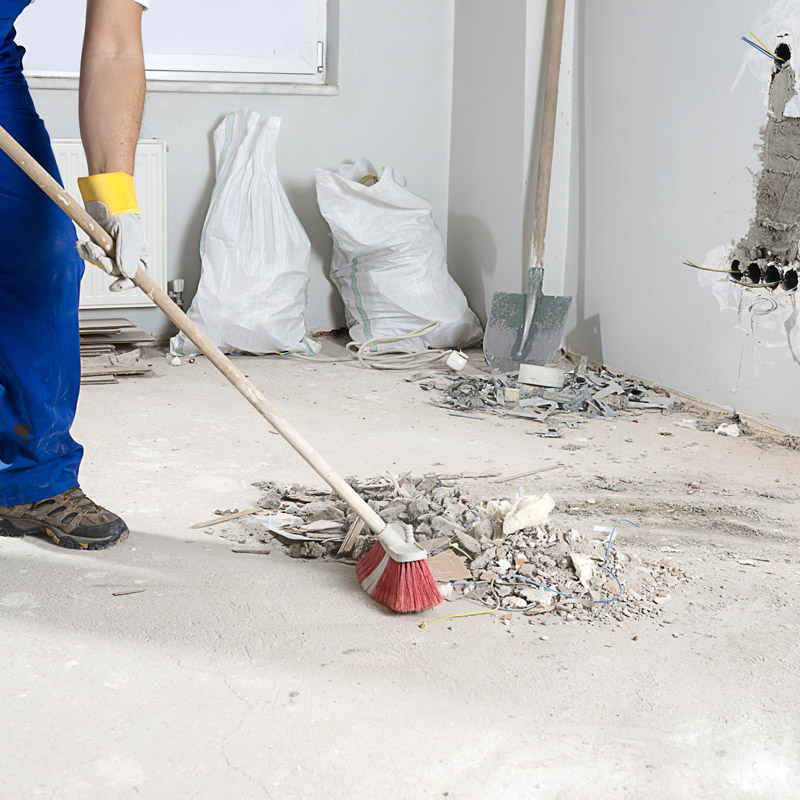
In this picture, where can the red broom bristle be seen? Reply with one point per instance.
(404, 586)
(370, 562)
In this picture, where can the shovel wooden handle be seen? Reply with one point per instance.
(548, 132)
(80, 217)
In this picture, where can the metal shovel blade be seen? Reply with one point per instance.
(525, 328)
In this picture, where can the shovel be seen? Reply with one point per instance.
(528, 328)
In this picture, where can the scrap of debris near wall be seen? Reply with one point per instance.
(586, 394)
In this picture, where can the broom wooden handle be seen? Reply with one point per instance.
(548, 132)
(98, 235)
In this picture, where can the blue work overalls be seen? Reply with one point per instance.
(40, 273)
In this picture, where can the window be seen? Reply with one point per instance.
(192, 44)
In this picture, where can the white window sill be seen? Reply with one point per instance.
(199, 86)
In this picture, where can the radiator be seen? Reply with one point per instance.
(150, 178)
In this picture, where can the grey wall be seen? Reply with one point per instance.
(395, 71)
(487, 150)
(498, 85)
(663, 151)
(654, 159)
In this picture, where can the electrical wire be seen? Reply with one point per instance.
(753, 44)
(424, 625)
(709, 269)
(761, 312)
(505, 580)
(757, 309)
(762, 50)
(766, 49)
(396, 358)
(391, 358)
(771, 285)
(455, 547)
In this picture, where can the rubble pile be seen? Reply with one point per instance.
(573, 564)
(586, 392)
(475, 548)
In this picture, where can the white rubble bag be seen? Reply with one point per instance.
(255, 253)
(389, 262)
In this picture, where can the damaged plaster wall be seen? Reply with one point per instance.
(666, 161)
(776, 224)
(395, 65)
(766, 258)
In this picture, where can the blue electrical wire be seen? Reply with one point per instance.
(564, 594)
(762, 50)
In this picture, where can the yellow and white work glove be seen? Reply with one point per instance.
(110, 199)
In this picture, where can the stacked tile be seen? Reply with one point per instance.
(109, 347)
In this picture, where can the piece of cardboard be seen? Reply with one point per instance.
(447, 566)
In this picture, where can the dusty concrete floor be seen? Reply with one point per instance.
(239, 676)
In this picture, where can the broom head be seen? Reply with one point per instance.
(395, 574)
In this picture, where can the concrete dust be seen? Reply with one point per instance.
(277, 671)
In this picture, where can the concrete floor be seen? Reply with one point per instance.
(241, 676)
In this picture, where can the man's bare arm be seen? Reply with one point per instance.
(112, 85)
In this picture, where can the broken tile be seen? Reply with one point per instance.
(447, 566)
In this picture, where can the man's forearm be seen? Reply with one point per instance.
(112, 85)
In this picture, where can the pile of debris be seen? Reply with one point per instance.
(503, 554)
(585, 392)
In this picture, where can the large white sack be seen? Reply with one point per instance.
(255, 253)
(389, 262)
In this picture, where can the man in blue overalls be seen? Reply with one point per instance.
(40, 272)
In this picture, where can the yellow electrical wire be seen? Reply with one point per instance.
(756, 285)
(709, 269)
(455, 547)
(424, 625)
(777, 58)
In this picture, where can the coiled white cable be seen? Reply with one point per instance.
(396, 358)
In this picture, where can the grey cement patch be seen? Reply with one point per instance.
(774, 232)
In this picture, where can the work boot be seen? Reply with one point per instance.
(70, 519)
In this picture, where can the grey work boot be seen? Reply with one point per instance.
(70, 519)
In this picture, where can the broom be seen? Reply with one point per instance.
(394, 571)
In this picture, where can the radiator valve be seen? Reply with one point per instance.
(176, 292)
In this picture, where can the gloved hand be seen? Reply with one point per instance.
(110, 199)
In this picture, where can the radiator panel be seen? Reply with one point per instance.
(150, 178)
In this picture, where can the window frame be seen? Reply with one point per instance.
(310, 74)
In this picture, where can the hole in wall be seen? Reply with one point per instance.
(773, 276)
(754, 273)
(783, 51)
(736, 272)
(790, 280)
